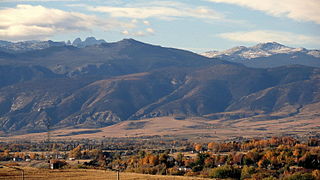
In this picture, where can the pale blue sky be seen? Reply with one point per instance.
(197, 25)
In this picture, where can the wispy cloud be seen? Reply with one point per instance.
(146, 23)
(150, 30)
(26, 22)
(38, 1)
(145, 32)
(301, 10)
(161, 10)
(270, 36)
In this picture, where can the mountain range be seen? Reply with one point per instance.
(270, 54)
(101, 84)
(24, 46)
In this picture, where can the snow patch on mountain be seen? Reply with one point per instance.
(259, 50)
(24, 46)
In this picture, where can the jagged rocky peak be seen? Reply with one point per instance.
(68, 43)
(77, 41)
(89, 41)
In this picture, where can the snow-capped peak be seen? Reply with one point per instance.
(259, 50)
(24, 46)
(269, 46)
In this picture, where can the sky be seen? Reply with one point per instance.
(195, 25)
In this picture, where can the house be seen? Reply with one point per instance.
(57, 164)
(183, 168)
(17, 159)
(170, 159)
(188, 157)
(60, 157)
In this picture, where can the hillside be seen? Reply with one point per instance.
(102, 85)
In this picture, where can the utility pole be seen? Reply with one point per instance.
(47, 121)
(117, 168)
(48, 134)
(22, 171)
(118, 174)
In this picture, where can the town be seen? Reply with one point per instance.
(274, 158)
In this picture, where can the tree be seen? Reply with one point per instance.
(189, 162)
(251, 157)
(221, 159)
(310, 161)
(6, 153)
(150, 159)
(163, 158)
(42, 156)
(263, 163)
(313, 142)
(296, 153)
(213, 146)
(95, 153)
(200, 158)
(268, 155)
(199, 162)
(238, 158)
(141, 153)
(75, 153)
(316, 173)
(209, 162)
(32, 156)
(197, 147)
(179, 159)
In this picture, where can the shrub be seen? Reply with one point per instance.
(197, 168)
(191, 173)
(13, 164)
(270, 178)
(316, 173)
(247, 171)
(174, 171)
(81, 166)
(300, 176)
(226, 171)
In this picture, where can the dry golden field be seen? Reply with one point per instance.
(79, 174)
(220, 129)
